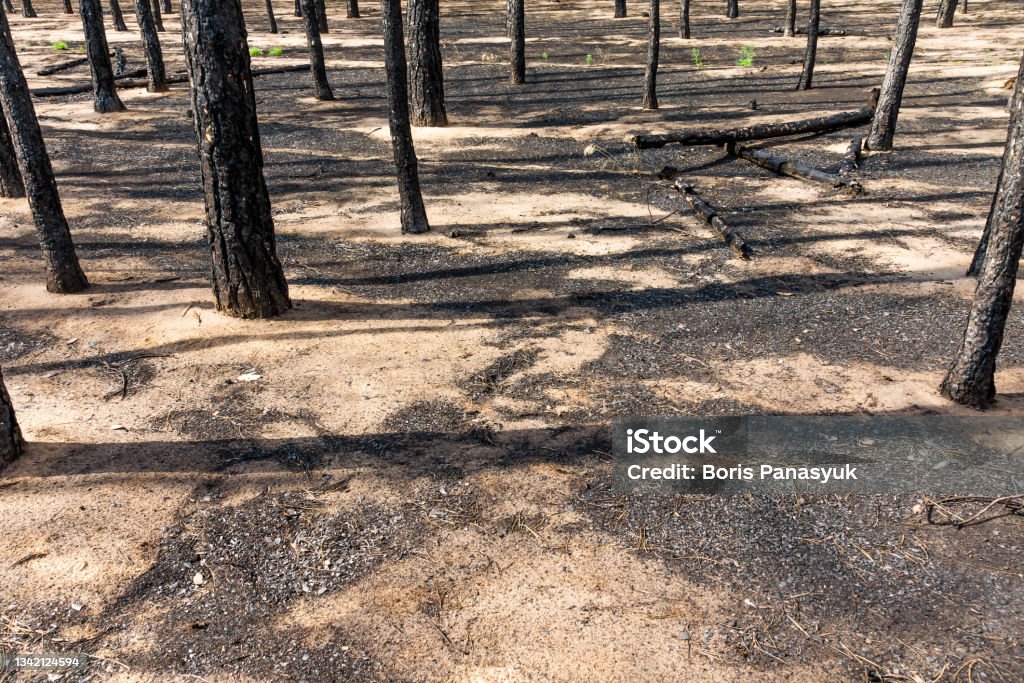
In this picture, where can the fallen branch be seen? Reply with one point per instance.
(62, 66)
(794, 169)
(820, 124)
(708, 214)
(123, 82)
(851, 160)
(802, 31)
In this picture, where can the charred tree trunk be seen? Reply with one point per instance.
(167, 9)
(426, 70)
(620, 9)
(10, 435)
(317, 68)
(158, 19)
(653, 46)
(710, 216)
(248, 281)
(117, 16)
(270, 16)
(10, 177)
(971, 377)
(106, 99)
(27, 10)
(684, 19)
(151, 46)
(789, 30)
(321, 16)
(414, 215)
(352, 9)
(68, 9)
(518, 42)
(807, 75)
(63, 274)
(944, 18)
(732, 9)
(298, 8)
(883, 126)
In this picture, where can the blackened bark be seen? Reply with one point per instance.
(151, 46)
(298, 8)
(790, 28)
(63, 274)
(321, 16)
(8, 6)
(248, 281)
(117, 16)
(106, 99)
(732, 9)
(944, 18)
(883, 126)
(352, 9)
(426, 73)
(684, 19)
(68, 9)
(10, 177)
(517, 51)
(158, 19)
(653, 47)
(317, 68)
(971, 377)
(270, 16)
(807, 75)
(27, 10)
(11, 443)
(620, 9)
(167, 9)
(414, 215)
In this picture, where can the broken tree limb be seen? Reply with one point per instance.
(819, 124)
(62, 66)
(708, 214)
(851, 160)
(122, 82)
(802, 31)
(794, 169)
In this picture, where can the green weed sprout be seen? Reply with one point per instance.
(697, 61)
(746, 56)
(589, 59)
(276, 51)
(59, 45)
(544, 54)
(255, 52)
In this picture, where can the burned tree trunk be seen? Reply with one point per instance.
(684, 19)
(63, 274)
(158, 19)
(167, 9)
(944, 18)
(270, 16)
(106, 99)
(971, 377)
(10, 434)
(883, 126)
(321, 16)
(248, 281)
(620, 9)
(151, 47)
(807, 75)
(732, 9)
(653, 46)
(68, 9)
(425, 67)
(414, 215)
(10, 177)
(298, 8)
(794, 169)
(27, 10)
(710, 216)
(317, 68)
(789, 30)
(518, 42)
(352, 9)
(117, 16)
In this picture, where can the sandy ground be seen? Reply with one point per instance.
(411, 486)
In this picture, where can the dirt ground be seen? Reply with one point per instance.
(411, 484)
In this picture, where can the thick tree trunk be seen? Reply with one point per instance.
(117, 16)
(68, 9)
(27, 10)
(732, 9)
(248, 281)
(620, 9)
(10, 177)
(807, 75)
(944, 18)
(971, 376)
(883, 126)
(151, 46)
(321, 16)
(684, 19)
(425, 68)
(158, 19)
(317, 68)
(63, 274)
(653, 46)
(106, 99)
(789, 30)
(352, 9)
(517, 51)
(10, 435)
(270, 16)
(414, 215)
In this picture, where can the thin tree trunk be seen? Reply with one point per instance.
(270, 16)
(158, 19)
(117, 16)
(517, 52)
(790, 28)
(620, 9)
(151, 46)
(963, 7)
(11, 444)
(426, 73)
(298, 8)
(27, 10)
(68, 9)
(653, 46)
(248, 281)
(944, 18)
(321, 16)
(317, 68)
(106, 99)
(352, 9)
(807, 75)
(971, 377)
(63, 274)
(684, 19)
(8, 6)
(167, 9)
(732, 9)
(413, 213)
(883, 126)
(10, 177)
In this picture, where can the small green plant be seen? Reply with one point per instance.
(589, 59)
(697, 61)
(276, 51)
(255, 52)
(886, 56)
(747, 55)
(544, 54)
(59, 45)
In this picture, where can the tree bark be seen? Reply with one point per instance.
(851, 159)
(63, 274)
(270, 16)
(947, 9)
(158, 19)
(8, 6)
(10, 177)
(653, 46)
(321, 16)
(732, 9)
(883, 126)
(789, 30)
(106, 99)
(248, 281)
(27, 10)
(352, 9)
(710, 216)
(117, 16)
(167, 9)
(684, 19)
(620, 9)
(151, 46)
(517, 51)
(971, 377)
(11, 444)
(317, 68)
(413, 213)
(794, 169)
(68, 9)
(298, 8)
(425, 66)
(807, 75)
